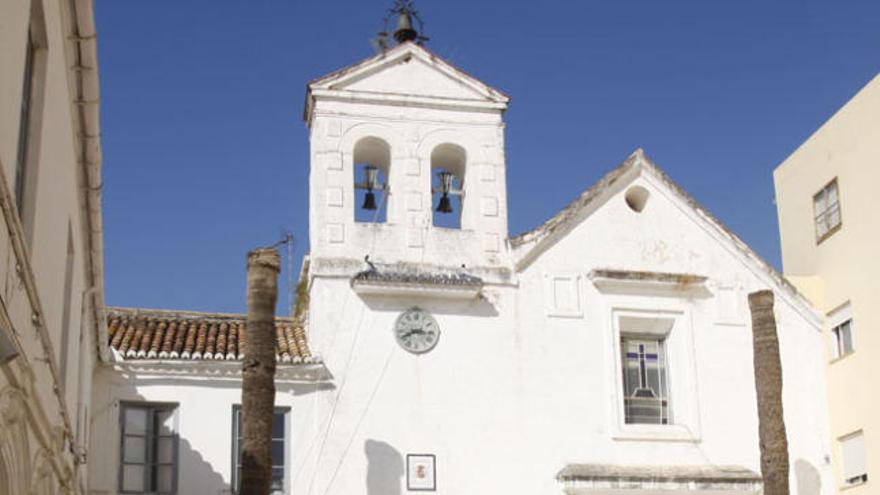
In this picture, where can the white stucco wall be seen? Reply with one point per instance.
(511, 394)
(203, 420)
(512, 390)
(521, 383)
(412, 131)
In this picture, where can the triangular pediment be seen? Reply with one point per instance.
(639, 170)
(409, 71)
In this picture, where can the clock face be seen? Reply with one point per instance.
(416, 330)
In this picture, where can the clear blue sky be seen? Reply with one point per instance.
(206, 154)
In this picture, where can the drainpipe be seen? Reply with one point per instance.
(86, 98)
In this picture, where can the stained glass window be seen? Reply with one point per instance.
(644, 380)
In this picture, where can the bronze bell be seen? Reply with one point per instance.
(405, 31)
(445, 205)
(369, 201)
(371, 178)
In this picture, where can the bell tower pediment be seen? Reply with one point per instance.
(406, 74)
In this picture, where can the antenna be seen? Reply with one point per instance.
(287, 238)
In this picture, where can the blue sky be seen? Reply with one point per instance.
(206, 154)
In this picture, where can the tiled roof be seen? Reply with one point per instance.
(419, 278)
(180, 335)
(410, 275)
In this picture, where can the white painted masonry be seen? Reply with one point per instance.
(526, 379)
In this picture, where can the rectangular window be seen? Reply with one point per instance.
(24, 122)
(842, 339)
(826, 210)
(852, 447)
(279, 448)
(65, 308)
(148, 463)
(645, 389)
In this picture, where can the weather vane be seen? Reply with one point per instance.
(405, 30)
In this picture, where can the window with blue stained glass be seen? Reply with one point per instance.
(646, 399)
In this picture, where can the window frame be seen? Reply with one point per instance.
(25, 119)
(31, 117)
(152, 408)
(838, 343)
(859, 479)
(235, 449)
(824, 213)
(662, 376)
(674, 320)
(837, 318)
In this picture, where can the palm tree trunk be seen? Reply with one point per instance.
(258, 370)
(768, 383)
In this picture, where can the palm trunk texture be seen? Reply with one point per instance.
(768, 383)
(258, 370)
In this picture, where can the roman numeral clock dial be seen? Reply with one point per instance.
(416, 330)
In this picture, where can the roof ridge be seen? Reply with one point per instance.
(185, 314)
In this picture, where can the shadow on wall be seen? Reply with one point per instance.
(195, 475)
(384, 468)
(808, 482)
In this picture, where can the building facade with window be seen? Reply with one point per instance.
(608, 348)
(829, 243)
(51, 323)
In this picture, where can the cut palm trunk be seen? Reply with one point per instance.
(768, 384)
(258, 372)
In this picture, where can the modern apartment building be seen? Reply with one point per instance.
(830, 241)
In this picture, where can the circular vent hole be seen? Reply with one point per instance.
(636, 198)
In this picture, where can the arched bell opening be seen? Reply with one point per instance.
(372, 165)
(448, 162)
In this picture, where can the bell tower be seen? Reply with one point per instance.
(407, 159)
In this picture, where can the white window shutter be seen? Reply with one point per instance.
(853, 447)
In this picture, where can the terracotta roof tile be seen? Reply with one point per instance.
(180, 335)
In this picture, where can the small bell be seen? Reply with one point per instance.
(369, 201)
(404, 31)
(445, 205)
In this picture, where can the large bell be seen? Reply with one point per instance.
(369, 201)
(405, 31)
(445, 205)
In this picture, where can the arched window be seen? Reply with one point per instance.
(447, 185)
(372, 162)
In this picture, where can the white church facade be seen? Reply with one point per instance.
(608, 351)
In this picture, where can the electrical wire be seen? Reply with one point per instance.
(361, 418)
(348, 364)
